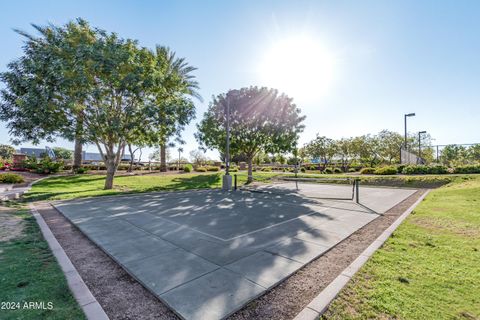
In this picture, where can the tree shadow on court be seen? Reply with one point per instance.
(255, 238)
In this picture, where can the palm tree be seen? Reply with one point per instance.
(176, 113)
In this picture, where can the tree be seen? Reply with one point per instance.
(31, 100)
(198, 157)
(321, 148)
(365, 150)
(157, 157)
(345, 152)
(453, 154)
(62, 153)
(6, 151)
(122, 93)
(474, 153)
(389, 144)
(261, 119)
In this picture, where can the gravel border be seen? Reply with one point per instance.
(122, 297)
(90, 306)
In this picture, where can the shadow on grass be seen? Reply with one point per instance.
(60, 187)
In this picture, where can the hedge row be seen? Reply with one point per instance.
(11, 178)
(420, 169)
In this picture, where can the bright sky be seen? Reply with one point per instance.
(353, 67)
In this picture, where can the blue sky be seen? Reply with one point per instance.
(386, 58)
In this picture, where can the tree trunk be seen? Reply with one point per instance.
(132, 155)
(111, 168)
(250, 170)
(77, 154)
(163, 160)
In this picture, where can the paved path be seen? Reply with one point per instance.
(207, 253)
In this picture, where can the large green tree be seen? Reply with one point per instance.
(117, 92)
(39, 85)
(389, 144)
(322, 148)
(261, 119)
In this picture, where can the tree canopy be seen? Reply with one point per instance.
(6, 151)
(261, 119)
(119, 93)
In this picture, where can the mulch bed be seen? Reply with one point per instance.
(122, 297)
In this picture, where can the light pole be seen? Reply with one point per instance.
(420, 143)
(227, 149)
(405, 120)
(227, 179)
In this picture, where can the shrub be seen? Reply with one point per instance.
(400, 167)
(467, 169)
(266, 169)
(386, 170)
(81, 170)
(328, 170)
(213, 168)
(352, 170)
(30, 163)
(422, 169)
(438, 169)
(413, 169)
(47, 165)
(233, 169)
(337, 170)
(188, 167)
(11, 178)
(302, 169)
(313, 168)
(367, 170)
(201, 169)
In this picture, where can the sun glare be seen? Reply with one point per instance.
(299, 66)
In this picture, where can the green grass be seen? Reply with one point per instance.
(30, 273)
(87, 185)
(428, 269)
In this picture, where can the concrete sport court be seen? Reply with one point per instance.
(207, 253)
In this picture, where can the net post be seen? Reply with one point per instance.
(357, 193)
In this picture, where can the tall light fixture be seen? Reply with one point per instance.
(405, 119)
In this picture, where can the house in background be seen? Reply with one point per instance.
(86, 156)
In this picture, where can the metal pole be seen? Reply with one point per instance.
(235, 181)
(227, 153)
(405, 118)
(437, 153)
(357, 193)
(419, 145)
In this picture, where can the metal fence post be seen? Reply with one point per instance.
(357, 193)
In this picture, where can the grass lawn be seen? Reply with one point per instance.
(87, 185)
(29, 272)
(428, 269)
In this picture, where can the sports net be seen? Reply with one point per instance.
(320, 188)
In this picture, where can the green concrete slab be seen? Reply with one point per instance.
(206, 254)
(321, 237)
(298, 250)
(213, 296)
(168, 270)
(134, 249)
(264, 268)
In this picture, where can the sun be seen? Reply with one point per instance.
(299, 66)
